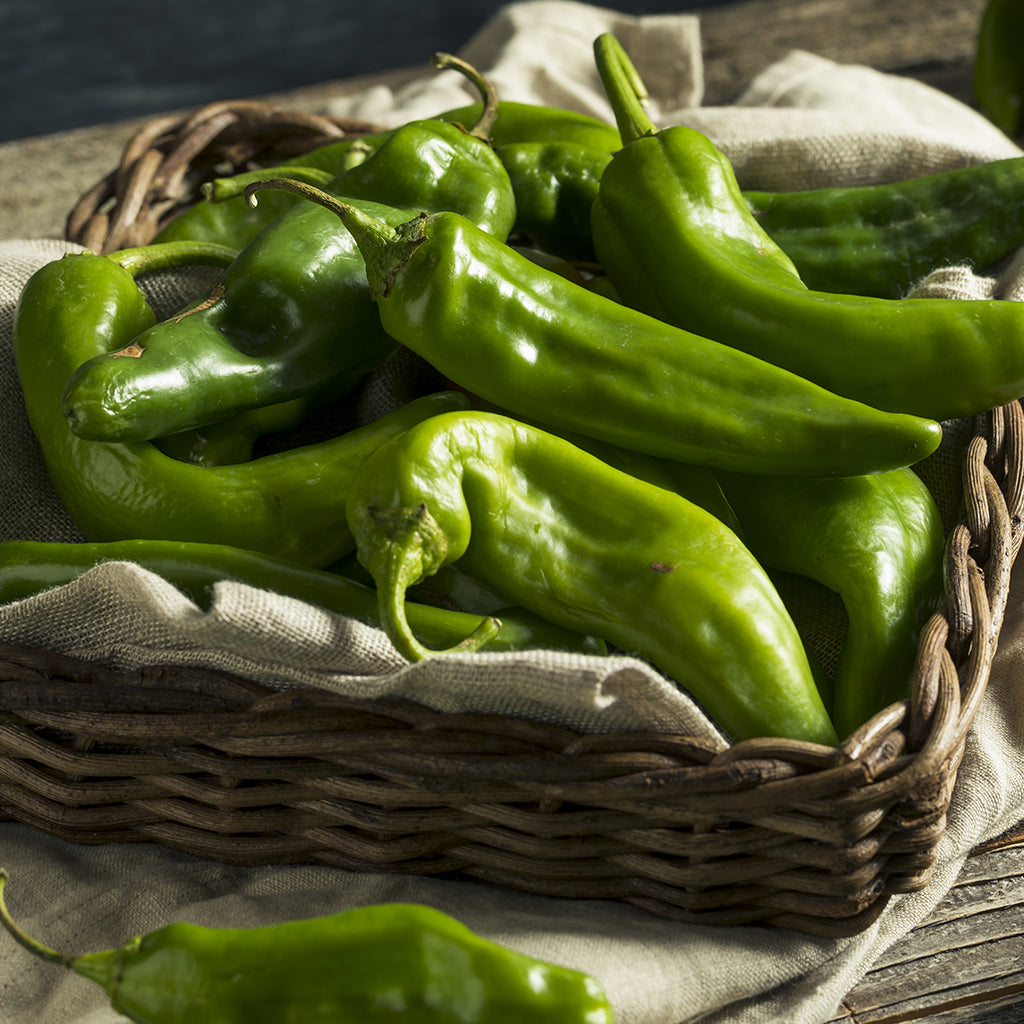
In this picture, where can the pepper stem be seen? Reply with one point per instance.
(32, 945)
(400, 547)
(384, 249)
(485, 122)
(624, 88)
(219, 190)
(145, 259)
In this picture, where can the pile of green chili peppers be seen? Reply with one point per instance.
(645, 399)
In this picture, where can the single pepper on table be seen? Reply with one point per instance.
(677, 240)
(384, 962)
(538, 345)
(292, 315)
(554, 529)
(286, 504)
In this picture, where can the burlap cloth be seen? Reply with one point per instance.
(804, 122)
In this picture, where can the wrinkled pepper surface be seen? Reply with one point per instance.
(677, 240)
(384, 962)
(878, 542)
(880, 240)
(555, 530)
(286, 504)
(292, 315)
(529, 341)
(30, 567)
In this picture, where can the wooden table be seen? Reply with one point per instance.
(966, 962)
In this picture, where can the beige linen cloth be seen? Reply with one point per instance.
(804, 122)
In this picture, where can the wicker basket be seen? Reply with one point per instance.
(767, 831)
(167, 160)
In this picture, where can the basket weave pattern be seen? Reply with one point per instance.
(769, 831)
(168, 159)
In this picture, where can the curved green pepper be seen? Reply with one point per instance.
(677, 240)
(287, 504)
(385, 962)
(29, 567)
(998, 69)
(547, 350)
(292, 315)
(878, 542)
(557, 531)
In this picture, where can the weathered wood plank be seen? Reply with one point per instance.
(963, 963)
(932, 41)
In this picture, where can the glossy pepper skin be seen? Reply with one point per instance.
(545, 349)
(29, 567)
(287, 504)
(402, 962)
(998, 70)
(292, 315)
(677, 240)
(231, 221)
(880, 240)
(878, 542)
(234, 223)
(557, 531)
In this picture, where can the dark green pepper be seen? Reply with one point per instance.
(231, 221)
(234, 223)
(880, 240)
(675, 236)
(556, 530)
(385, 962)
(29, 567)
(292, 315)
(998, 68)
(534, 343)
(877, 541)
(287, 504)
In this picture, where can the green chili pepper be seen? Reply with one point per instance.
(534, 343)
(234, 440)
(287, 504)
(292, 315)
(385, 962)
(880, 240)
(555, 184)
(875, 540)
(29, 567)
(676, 238)
(234, 222)
(998, 69)
(557, 531)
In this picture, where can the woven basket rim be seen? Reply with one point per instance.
(838, 830)
(167, 159)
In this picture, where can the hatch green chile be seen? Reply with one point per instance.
(403, 962)
(534, 343)
(292, 315)
(877, 541)
(29, 567)
(677, 240)
(286, 504)
(555, 530)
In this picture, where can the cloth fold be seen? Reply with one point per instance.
(804, 122)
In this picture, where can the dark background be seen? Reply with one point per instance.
(70, 63)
